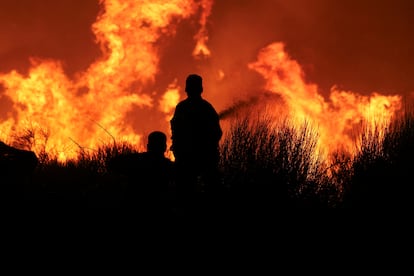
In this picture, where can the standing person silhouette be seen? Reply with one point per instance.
(196, 133)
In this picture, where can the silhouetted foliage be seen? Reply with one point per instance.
(265, 166)
(272, 165)
(82, 182)
(382, 169)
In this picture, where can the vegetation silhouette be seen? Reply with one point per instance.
(270, 167)
(382, 169)
(265, 167)
(196, 133)
(84, 182)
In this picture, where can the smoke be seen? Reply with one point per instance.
(246, 106)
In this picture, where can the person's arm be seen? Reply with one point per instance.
(216, 128)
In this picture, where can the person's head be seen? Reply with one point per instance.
(157, 142)
(194, 85)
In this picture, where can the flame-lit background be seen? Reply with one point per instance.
(77, 73)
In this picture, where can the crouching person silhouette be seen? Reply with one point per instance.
(16, 170)
(196, 133)
(149, 175)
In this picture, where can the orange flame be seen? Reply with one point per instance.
(89, 110)
(334, 118)
(201, 37)
(66, 114)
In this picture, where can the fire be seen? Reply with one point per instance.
(201, 37)
(64, 114)
(169, 99)
(334, 118)
(89, 110)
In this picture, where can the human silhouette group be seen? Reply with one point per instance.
(155, 181)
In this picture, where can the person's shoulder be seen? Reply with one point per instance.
(182, 105)
(208, 106)
(126, 157)
(205, 102)
(183, 102)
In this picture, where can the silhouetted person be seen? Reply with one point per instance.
(196, 133)
(149, 174)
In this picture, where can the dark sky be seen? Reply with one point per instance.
(362, 46)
